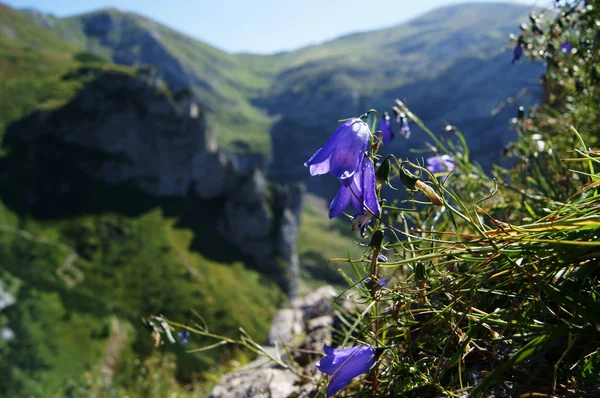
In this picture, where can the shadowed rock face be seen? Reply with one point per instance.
(139, 136)
(124, 132)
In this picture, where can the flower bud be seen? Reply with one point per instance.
(420, 274)
(408, 179)
(383, 172)
(376, 239)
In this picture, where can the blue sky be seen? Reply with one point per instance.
(263, 26)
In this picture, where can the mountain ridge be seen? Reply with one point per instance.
(242, 84)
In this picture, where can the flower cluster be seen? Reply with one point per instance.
(387, 131)
(344, 156)
(349, 155)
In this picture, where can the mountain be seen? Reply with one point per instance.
(142, 172)
(450, 66)
(261, 106)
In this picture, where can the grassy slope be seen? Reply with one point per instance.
(61, 331)
(320, 239)
(234, 117)
(31, 63)
(395, 56)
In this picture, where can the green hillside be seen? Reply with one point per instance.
(395, 56)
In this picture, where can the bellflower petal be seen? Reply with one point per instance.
(350, 192)
(565, 48)
(357, 187)
(344, 150)
(341, 200)
(361, 192)
(517, 52)
(369, 188)
(386, 128)
(405, 128)
(380, 257)
(346, 364)
(183, 336)
(321, 163)
(439, 164)
(368, 284)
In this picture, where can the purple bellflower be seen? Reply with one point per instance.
(346, 364)
(404, 128)
(565, 48)
(517, 52)
(383, 281)
(439, 164)
(183, 336)
(360, 191)
(368, 282)
(403, 120)
(342, 154)
(380, 257)
(386, 128)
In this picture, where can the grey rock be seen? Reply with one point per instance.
(247, 221)
(130, 132)
(39, 17)
(286, 324)
(8, 32)
(272, 383)
(260, 378)
(320, 332)
(6, 299)
(322, 322)
(262, 220)
(318, 303)
(6, 334)
(311, 316)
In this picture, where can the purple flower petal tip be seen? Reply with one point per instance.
(360, 192)
(386, 128)
(517, 52)
(183, 336)
(343, 152)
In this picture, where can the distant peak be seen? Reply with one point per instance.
(110, 10)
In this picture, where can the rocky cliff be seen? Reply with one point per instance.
(127, 130)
